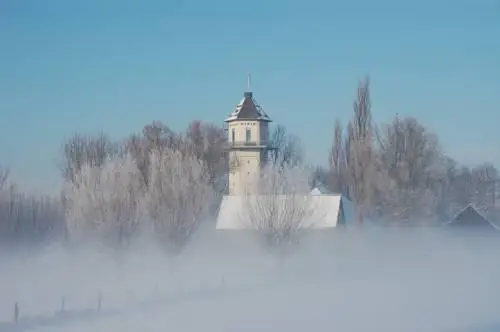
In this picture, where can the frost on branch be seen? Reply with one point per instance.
(27, 217)
(79, 150)
(289, 151)
(278, 204)
(411, 170)
(105, 201)
(179, 196)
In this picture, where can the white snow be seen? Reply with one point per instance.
(323, 211)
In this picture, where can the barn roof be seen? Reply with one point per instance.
(322, 211)
(471, 217)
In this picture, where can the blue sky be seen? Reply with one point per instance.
(87, 66)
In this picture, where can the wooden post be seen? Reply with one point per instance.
(99, 302)
(16, 312)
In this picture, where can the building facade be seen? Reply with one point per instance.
(250, 148)
(249, 144)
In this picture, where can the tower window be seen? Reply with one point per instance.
(232, 135)
(248, 135)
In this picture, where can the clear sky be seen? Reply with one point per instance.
(115, 65)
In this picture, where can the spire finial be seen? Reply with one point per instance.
(249, 82)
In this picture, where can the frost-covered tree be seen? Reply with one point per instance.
(209, 142)
(26, 217)
(105, 201)
(288, 151)
(410, 166)
(154, 137)
(476, 185)
(204, 140)
(179, 196)
(80, 150)
(277, 203)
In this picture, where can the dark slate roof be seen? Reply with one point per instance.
(248, 109)
(471, 217)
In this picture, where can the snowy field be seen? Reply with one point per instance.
(370, 280)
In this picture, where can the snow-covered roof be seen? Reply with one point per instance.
(321, 190)
(322, 211)
(316, 191)
(248, 109)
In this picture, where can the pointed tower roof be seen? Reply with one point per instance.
(248, 109)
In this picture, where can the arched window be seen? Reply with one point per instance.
(248, 135)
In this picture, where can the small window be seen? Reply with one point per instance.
(248, 135)
(232, 135)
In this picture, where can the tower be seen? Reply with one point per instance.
(248, 136)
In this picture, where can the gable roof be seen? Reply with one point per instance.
(248, 109)
(323, 211)
(471, 217)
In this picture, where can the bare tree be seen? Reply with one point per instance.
(319, 176)
(288, 149)
(158, 136)
(105, 201)
(4, 177)
(278, 204)
(442, 186)
(81, 150)
(208, 143)
(484, 177)
(338, 163)
(205, 141)
(27, 217)
(404, 205)
(410, 151)
(155, 136)
(179, 197)
(137, 147)
(409, 159)
(359, 151)
(476, 185)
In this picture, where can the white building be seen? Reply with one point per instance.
(323, 211)
(248, 136)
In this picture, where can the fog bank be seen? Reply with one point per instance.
(347, 280)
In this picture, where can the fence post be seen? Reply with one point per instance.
(16, 312)
(99, 302)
